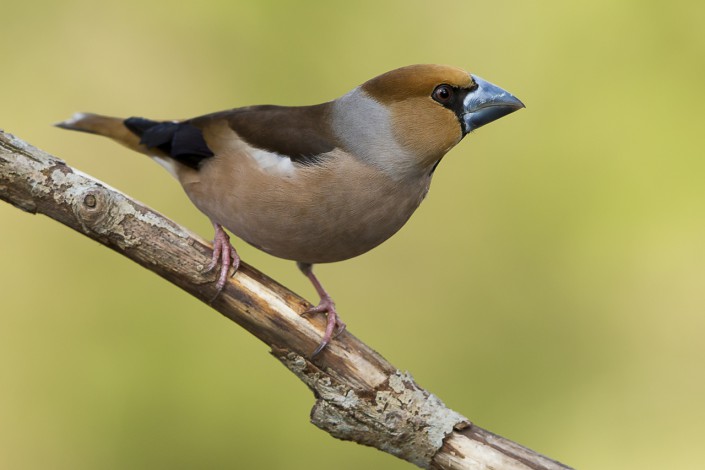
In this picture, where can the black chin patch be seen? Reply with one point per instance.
(182, 141)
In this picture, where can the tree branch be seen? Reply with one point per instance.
(359, 395)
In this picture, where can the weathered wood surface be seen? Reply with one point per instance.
(359, 395)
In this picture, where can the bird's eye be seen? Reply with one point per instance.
(443, 94)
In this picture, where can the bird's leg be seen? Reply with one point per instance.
(223, 252)
(326, 305)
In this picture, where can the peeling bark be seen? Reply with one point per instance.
(359, 395)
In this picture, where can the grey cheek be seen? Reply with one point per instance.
(363, 126)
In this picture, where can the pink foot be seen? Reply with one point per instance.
(327, 306)
(224, 253)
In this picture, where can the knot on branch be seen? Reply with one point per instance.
(96, 209)
(92, 208)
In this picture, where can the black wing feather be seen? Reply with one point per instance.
(182, 141)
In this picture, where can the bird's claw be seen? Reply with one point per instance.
(327, 306)
(224, 254)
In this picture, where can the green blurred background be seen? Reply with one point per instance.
(551, 287)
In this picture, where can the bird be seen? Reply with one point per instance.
(318, 183)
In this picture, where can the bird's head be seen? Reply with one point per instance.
(425, 110)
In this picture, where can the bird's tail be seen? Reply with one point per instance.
(107, 126)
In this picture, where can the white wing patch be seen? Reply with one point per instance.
(168, 164)
(273, 162)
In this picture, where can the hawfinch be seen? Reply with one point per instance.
(321, 183)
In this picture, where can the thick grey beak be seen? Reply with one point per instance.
(487, 103)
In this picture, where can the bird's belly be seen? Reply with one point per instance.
(324, 232)
(311, 220)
